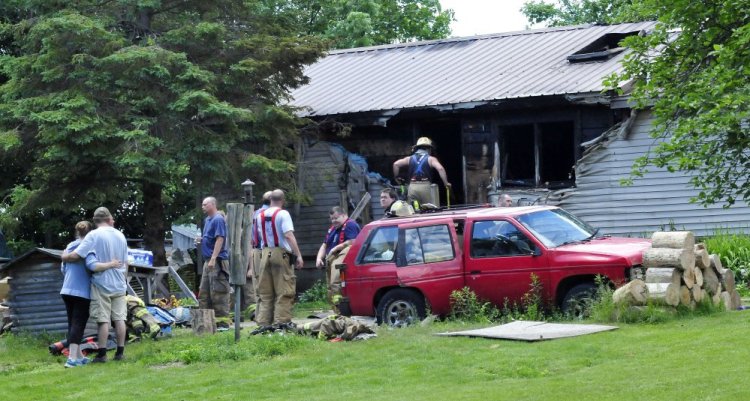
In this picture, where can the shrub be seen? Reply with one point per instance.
(315, 294)
(734, 252)
(466, 306)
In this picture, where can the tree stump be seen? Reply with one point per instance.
(685, 296)
(663, 275)
(702, 258)
(204, 321)
(727, 280)
(664, 293)
(666, 257)
(632, 293)
(726, 298)
(711, 281)
(673, 239)
(688, 277)
(698, 274)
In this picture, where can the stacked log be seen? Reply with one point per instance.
(680, 272)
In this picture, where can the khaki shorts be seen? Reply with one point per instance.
(107, 308)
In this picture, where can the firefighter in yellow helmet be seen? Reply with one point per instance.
(420, 176)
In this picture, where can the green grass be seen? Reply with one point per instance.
(693, 358)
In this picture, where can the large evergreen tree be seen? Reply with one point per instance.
(128, 102)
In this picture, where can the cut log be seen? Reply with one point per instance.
(664, 293)
(664, 275)
(688, 277)
(702, 258)
(736, 299)
(716, 262)
(711, 281)
(696, 293)
(716, 298)
(727, 280)
(726, 299)
(698, 273)
(203, 321)
(632, 293)
(685, 297)
(673, 239)
(665, 257)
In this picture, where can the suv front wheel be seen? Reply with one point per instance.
(400, 308)
(577, 302)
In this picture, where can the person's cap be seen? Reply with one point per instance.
(102, 213)
(423, 142)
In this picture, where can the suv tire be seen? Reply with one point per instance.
(577, 301)
(400, 308)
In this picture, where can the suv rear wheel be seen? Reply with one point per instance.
(400, 308)
(577, 302)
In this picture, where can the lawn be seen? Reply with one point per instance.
(696, 358)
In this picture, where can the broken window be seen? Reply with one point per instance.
(538, 155)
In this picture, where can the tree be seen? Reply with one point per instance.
(353, 23)
(576, 12)
(128, 103)
(693, 71)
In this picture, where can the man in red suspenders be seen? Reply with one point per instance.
(250, 291)
(342, 233)
(279, 255)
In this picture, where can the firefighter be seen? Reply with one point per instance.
(420, 177)
(340, 235)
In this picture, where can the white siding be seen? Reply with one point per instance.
(659, 200)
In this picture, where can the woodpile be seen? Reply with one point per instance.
(680, 272)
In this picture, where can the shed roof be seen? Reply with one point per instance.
(55, 253)
(458, 71)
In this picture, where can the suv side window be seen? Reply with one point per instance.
(493, 238)
(381, 245)
(428, 244)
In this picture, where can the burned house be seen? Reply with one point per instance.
(521, 112)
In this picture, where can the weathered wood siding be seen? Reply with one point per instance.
(658, 201)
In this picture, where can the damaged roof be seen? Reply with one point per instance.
(461, 72)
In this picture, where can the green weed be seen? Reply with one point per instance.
(317, 293)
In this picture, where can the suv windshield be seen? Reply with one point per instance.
(556, 227)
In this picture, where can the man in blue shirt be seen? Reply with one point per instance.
(340, 235)
(214, 289)
(108, 286)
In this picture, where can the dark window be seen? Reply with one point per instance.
(428, 244)
(495, 238)
(380, 246)
(538, 155)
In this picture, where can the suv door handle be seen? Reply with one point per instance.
(475, 272)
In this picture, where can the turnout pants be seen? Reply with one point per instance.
(215, 291)
(250, 289)
(420, 191)
(276, 287)
(333, 277)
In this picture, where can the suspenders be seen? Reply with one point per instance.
(272, 219)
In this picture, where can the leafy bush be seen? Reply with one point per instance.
(466, 306)
(315, 294)
(734, 252)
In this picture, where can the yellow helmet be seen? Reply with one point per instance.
(423, 142)
(401, 208)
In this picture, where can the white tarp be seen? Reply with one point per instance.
(532, 331)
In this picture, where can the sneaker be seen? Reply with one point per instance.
(84, 361)
(72, 363)
(119, 357)
(99, 359)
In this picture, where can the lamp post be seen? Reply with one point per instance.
(247, 186)
(239, 268)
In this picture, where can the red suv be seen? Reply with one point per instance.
(399, 267)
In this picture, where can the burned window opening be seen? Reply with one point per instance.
(602, 48)
(538, 155)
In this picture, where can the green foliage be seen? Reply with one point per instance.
(575, 12)
(467, 307)
(693, 72)
(353, 23)
(140, 106)
(734, 253)
(317, 293)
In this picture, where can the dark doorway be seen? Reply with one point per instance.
(446, 135)
(517, 155)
